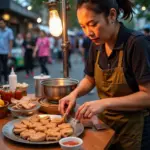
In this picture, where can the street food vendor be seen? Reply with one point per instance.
(119, 66)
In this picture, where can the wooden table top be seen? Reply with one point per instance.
(92, 140)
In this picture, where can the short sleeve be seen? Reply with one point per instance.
(141, 59)
(90, 63)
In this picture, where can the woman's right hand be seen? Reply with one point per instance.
(68, 101)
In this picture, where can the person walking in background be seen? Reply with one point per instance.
(35, 33)
(6, 44)
(147, 32)
(80, 42)
(19, 41)
(52, 46)
(42, 50)
(28, 46)
(78, 46)
(86, 46)
(59, 48)
(71, 49)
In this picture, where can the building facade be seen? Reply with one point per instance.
(18, 18)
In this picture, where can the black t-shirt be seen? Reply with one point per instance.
(136, 58)
(31, 43)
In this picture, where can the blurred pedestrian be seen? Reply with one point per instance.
(6, 44)
(71, 49)
(147, 32)
(19, 41)
(80, 42)
(78, 46)
(85, 47)
(59, 48)
(52, 46)
(35, 33)
(42, 50)
(28, 46)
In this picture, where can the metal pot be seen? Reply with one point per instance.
(56, 88)
(38, 86)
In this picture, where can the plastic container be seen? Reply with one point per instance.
(12, 80)
(21, 113)
(22, 87)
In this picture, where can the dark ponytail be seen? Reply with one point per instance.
(104, 6)
(127, 7)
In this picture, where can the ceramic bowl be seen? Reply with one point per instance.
(63, 143)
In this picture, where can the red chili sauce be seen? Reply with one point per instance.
(70, 143)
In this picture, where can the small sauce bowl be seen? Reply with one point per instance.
(71, 143)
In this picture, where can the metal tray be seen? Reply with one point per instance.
(7, 131)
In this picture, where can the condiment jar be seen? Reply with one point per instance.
(18, 94)
(7, 95)
(38, 86)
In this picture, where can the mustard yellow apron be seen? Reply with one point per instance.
(127, 125)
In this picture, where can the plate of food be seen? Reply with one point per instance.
(40, 129)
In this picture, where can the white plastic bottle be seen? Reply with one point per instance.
(12, 80)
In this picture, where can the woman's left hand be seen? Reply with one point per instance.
(88, 109)
(34, 54)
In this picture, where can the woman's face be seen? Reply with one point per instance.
(42, 34)
(94, 25)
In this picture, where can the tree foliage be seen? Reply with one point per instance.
(146, 13)
(37, 4)
(142, 2)
(72, 20)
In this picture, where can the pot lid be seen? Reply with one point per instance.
(42, 76)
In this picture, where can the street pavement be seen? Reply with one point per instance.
(56, 71)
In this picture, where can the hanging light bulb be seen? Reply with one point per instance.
(55, 24)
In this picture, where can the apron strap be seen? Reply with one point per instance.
(97, 58)
(120, 58)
